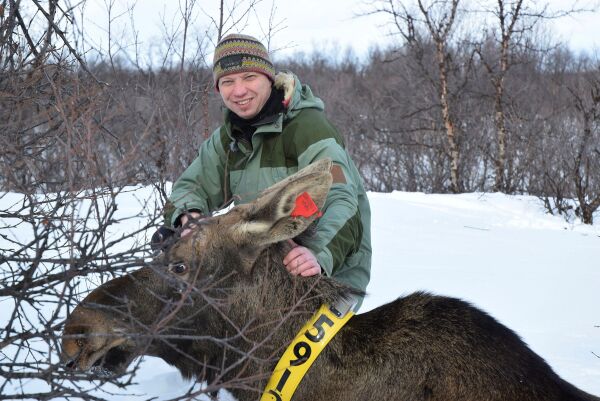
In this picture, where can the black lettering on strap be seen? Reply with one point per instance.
(283, 380)
(274, 394)
(301, 357)
(322, 320)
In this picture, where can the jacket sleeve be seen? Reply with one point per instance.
(201, 185)
(340, 229)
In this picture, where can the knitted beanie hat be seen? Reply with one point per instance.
(241, 53)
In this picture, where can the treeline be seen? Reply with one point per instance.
(390, 114)
(124, 126)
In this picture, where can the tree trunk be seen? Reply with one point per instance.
(447, 117)
(500, 160)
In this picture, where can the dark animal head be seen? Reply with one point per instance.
(166, 308)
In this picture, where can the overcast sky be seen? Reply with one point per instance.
(306, 24)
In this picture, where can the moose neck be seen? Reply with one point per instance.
(264, 311)
(272, 293)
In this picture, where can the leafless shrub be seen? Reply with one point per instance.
(76, 140)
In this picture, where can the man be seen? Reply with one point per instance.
(273, 127)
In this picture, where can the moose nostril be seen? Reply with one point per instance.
(70, 362)
(70, 365)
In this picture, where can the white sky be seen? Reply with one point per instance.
(307, 24)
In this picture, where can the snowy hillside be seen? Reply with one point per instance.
(535, 273)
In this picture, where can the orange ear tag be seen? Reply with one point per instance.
(305, 207)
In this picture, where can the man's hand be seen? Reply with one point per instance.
(301, 261)
(188, 228)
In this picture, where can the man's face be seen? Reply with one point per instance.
(245, 93)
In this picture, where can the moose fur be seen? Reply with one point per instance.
(220, 306)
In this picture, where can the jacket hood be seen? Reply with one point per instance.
(296, 95)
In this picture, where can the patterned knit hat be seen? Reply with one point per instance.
(241, 53)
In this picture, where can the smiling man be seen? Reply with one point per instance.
(274, 126)
(245, 93)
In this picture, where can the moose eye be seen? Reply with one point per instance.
(179, 268)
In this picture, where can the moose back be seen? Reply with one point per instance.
(220, 306)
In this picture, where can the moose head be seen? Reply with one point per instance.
(204, 293)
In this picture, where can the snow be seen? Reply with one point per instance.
(534, 272)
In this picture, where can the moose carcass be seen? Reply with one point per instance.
(219, 306)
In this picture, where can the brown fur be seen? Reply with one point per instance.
(228, 317)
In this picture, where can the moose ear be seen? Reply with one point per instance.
(287, 208)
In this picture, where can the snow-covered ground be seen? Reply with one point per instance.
(535, 273)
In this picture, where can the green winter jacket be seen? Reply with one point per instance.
(225, 169)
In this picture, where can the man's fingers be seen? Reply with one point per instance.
(294, 264)
(308, 267)
(301, 261)
(293, 254)
(187, 222)
(313, 271)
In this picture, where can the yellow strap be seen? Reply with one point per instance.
(302, 352)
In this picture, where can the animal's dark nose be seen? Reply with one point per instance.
(70, 365)
(71, 352)
(69, 362)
